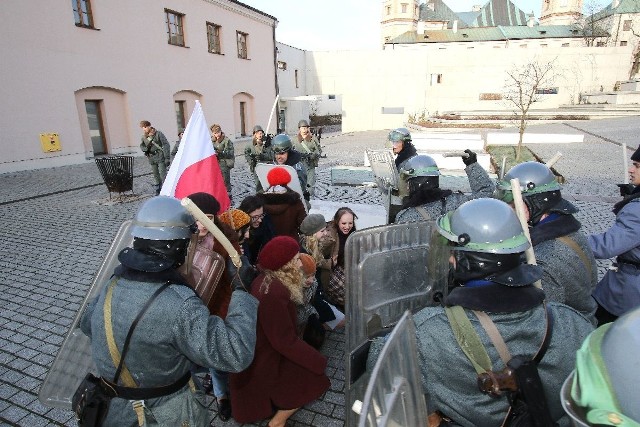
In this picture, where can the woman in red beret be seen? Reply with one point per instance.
(286, 373)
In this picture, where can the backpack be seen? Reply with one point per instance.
(519, 382)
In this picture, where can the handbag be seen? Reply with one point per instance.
(92, 398)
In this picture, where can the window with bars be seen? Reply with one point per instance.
(213, 37)
(626, 25)
(175, 27)
(82, 13)
(242, 44)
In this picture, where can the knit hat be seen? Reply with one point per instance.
(235, 218)
(206, 203)
(636, 156)
(278, 176)
(308, 264)
(312, 223)
(277, 252)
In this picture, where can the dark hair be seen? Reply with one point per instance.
(251, 203)
(145, 123)
(342, 211)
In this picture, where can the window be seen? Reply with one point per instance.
(547, 91)
(282, 65)
(82, 13)
(296, 77)
(388, 10)
(490, 96)
(332, 97)
(626, 26)
(565, 44)
(404, 8)
(242, 44)
(436, 79)
(623, 43)
(213, 37)
(181, 120)
(601, 44)
(175, 28)
(544, 45)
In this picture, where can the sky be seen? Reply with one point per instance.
(343, 24)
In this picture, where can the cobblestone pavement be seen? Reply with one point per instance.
(58, 223)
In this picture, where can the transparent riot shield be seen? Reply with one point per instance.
(386, 175)
(394, 395)
(74, 360)
(574, 412)
(388, 270)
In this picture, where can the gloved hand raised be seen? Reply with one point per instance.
(241, 280)
(471, 158)
(626, 189)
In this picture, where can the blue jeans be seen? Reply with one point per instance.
(220, 382)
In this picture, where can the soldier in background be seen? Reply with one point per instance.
(226, 154)
(155, 146)
(174, 151)
(309, 147)
(403, 149)
(258, 152)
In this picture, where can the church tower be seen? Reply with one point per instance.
(398, 17)
(560, 12)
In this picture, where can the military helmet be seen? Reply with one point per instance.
(162, 218)
(420, 165)
(257, 128)
(603, 388)
(399, 134)
(281, 143)
(484, 225)
(303, 123)
(534, 177)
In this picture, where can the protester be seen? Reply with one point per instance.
(340, 228)
(282, 204)
(286, 373)
(261, 229)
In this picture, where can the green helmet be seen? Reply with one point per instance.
(303, 123)
(257, 128)
(534, 177)
(399, 134)
(162, 218)
(603, 388)
(484, 225)
(420, 165)
(281, 143)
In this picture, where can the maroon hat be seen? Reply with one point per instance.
(277, 252)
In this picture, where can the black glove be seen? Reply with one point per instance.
(471, 158)
(241, 280)
(306, 195)
(626, 189)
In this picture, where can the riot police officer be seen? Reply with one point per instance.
(174, 333)
(426, 200)
(561, 249)
(403, 149)
(285, 154)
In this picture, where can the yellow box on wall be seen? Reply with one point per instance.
(50, 142)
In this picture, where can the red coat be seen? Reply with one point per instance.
(286, 372)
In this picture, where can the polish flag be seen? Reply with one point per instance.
(195, 167)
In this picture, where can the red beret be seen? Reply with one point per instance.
(277, 252)
(278, 176)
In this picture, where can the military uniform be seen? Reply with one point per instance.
(311, 151)
(256, 153)
(226, 159)
(157, 149)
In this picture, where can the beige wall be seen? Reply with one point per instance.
(50, 67)
(404, 81)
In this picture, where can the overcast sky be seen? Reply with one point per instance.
(343, 24)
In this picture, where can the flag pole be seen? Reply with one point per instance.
(275, 103)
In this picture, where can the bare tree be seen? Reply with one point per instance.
(591, 27)
(525, 85)
(635, 65)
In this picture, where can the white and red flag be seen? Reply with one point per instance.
(195, 167)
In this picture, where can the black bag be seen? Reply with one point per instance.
(91, 401)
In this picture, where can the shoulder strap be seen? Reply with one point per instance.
(494, 335)
(118, 360)
(578, 250)
(422, 211)
(468, 339)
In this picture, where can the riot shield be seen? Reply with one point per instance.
(386, 175)
(574, 412)
(388, 269)
(74, 360)
(394, 395)
(262, 169)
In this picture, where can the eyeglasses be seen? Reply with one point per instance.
(257, 217)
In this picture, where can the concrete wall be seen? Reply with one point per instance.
(50, 67)
(381, 89)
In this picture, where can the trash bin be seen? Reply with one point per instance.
(117, 173)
